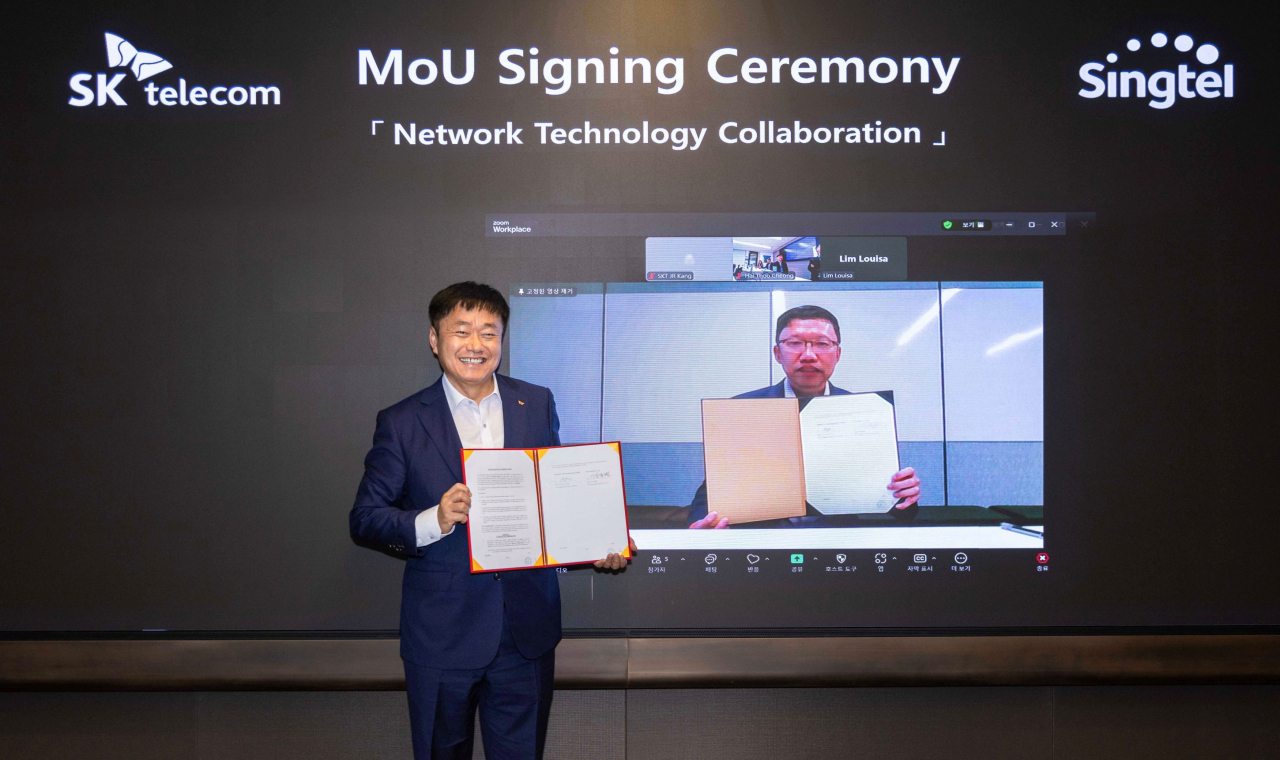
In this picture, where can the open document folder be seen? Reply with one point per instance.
(562, 505)
(766, 457)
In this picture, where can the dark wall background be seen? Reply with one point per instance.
(202, 313)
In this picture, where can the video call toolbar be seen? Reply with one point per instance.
(855, 223)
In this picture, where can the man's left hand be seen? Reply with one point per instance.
(906, 487)
(617, 561)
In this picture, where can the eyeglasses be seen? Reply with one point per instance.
(795, 345)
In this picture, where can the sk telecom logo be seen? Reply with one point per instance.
(1162, 87)
(123, 54)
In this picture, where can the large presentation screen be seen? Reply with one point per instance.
(914, 316)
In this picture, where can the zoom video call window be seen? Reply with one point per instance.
(852, 423)
(789, 407)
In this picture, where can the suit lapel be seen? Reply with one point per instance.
(515, 421)
(437, 418)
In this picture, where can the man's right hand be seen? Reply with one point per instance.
(712, 520)
(454, 506)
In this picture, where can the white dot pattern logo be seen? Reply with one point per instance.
(1206, 53)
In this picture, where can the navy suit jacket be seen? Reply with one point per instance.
(450, 618)
(779, 390)
(698, 509)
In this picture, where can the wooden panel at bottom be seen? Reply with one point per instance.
(298, 664)
(374, 664)
(953, 661)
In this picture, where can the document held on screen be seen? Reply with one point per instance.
(765, 458)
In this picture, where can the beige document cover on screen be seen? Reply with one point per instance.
(751, 449)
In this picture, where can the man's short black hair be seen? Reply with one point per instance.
(806, 312)
(469, 295)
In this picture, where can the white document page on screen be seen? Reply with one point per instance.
(584, 512)
(503, 522)
(850, 453)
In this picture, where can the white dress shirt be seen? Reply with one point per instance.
(479, 427)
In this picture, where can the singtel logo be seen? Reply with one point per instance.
(1164, 88)
(123, 54)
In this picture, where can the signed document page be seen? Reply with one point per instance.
(850, 453)
(584, 508)
(751, 449)
(503, 525)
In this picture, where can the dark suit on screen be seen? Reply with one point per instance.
(779, 390)
(450, 618)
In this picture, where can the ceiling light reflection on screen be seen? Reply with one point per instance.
(1015, 339)
(929, 315)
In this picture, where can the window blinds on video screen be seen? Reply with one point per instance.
(786, 409)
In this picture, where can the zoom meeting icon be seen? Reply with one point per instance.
(797, 559)
(711, 559)
(753, 558)
(840, 558)
(920, 558)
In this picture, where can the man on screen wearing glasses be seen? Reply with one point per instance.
(807, 345)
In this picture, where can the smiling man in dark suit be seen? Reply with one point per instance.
(807, 345)
(469, 641)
